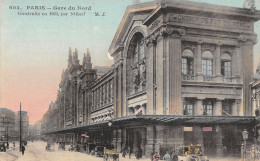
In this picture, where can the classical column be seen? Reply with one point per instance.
(219, 145)
(120, 99)
(150, 85)
(119, 140)
(218, 64)
(143, 142)
(149, 147)
(236, 64)
(114, 142)
(159, 138)
(160, 76)
(218, 108)
(246, 43)
(175, 69)
(199, 107)
(199, 63)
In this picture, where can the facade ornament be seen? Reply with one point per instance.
(165, 30)
(247, 38)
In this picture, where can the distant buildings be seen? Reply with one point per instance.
(8, 124)
(34, 132)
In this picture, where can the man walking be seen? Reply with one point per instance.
(22, 149)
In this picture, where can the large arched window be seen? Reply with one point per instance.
(207, 63)
(138, 53)
(136, 64)
(226, 65)
(187, 62)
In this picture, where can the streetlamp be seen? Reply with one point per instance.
(245, 137)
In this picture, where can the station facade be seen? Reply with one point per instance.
(181, 75)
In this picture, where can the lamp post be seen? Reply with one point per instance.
(20, 127)
(245, 137)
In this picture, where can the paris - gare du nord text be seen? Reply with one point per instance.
(181, 75)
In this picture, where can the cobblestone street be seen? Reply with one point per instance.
(35, 151)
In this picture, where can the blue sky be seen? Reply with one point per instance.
(34, 50)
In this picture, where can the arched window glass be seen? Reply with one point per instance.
(187, 62)
(138, 53)
(226, 65)
(207, 63)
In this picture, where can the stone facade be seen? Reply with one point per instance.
(8, 125)
(185, 68)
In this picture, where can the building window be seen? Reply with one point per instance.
(226, 68)
(187, 62)
(188, 107)
(187, 66)
(138, 53)
(207, 67)
(207, 63)
(226, 65)
(208, 108)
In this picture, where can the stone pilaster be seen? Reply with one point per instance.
(160, 75)
(149, 147)
(159, 137)
(246, 43)
(219, 145)
(175, 74)
(199, 107)
(119, 141)
(218, 64)
(150, 85)
(199, 62)
(198, 134)
(218, 108)
(114, 141)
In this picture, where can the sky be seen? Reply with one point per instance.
(34, 49)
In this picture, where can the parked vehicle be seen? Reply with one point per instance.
(50, 146)
(99, 151)
(61, 146)
(191, 153)
(110, 154)
(2, 146)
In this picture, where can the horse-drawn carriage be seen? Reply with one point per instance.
(50, 146)
(110, 155)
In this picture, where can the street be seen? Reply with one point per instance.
(35, 151)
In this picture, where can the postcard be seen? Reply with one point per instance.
(129, 79)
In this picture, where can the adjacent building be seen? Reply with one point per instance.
(181, 75)
(7, 125)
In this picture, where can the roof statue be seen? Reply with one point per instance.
(250, 4)
(87, 60)
(70, 57)
(88, 56)
(256, 77)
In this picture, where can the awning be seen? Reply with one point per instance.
(143, 120)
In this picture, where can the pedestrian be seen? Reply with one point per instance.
(155, 156)
(167, 156)
(22, 149)
(129, 152)
(224, 151)
(124, 153)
